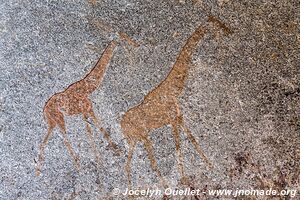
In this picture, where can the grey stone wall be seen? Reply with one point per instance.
(241, 99)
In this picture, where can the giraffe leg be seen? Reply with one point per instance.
(178, 149)
(91, 139)
(105, 133)
(61, 124)
(150, 151)
(175, 125)
(41, 156)
(128, 163)
(195, 143)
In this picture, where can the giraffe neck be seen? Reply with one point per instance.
(93, 79)
(174, 82)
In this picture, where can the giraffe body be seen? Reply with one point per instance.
(150, 115)
(74, 100)
(161, 107)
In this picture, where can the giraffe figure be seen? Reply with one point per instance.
(74, 101)
(161, 107)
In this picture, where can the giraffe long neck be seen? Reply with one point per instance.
(174, 82)
(93, 79)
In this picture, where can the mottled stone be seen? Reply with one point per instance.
(241, 98)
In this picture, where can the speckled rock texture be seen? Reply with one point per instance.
(241, 98)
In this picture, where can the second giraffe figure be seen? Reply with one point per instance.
(161, 107)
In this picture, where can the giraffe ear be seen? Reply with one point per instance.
(113, 37)
(121, 114)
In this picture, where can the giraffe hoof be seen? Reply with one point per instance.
(37, 172)
(185, 180)
(210, 166)
(77, 163)
(131, 198)
(165, 197)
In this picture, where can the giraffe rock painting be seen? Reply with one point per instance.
(75, 101)
(161, 107)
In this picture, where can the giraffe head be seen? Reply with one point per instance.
(217, 24)
(113, 34)
(130, 41)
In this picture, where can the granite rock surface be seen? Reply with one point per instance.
(241, 98)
